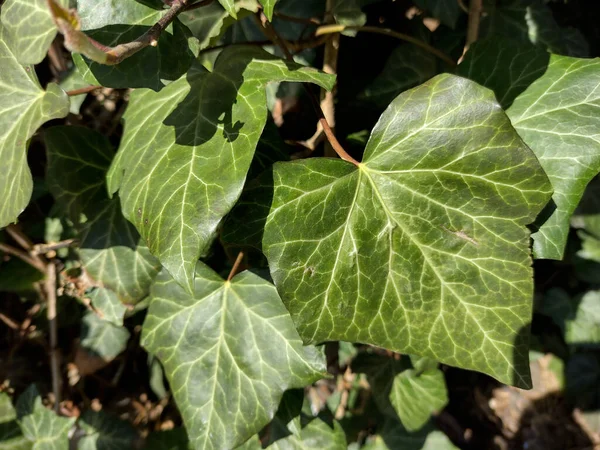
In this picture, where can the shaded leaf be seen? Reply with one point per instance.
(11, 437)
(532, 21)
(105, 432)
(29, 29)
(447, 11)
(112, 23)
(226, 389)
(110, 246)
(423, 248)
(415, 396)
(175, 439)
(216, 116)
(26, 106)
(107, 305)
(560, 125)
(101, 338)
(45, 429)
(394, 436)
(583, 380)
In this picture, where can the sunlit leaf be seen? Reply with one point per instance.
(422, 248)
(43, 427)
(107, 304)
(268, 7)
(168, 190)
(25, 107)
(110, 247)
(226, 389)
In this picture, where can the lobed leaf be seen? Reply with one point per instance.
(11, 437)
(226, 389)
(110, 247)
(186, 151)
(560, 124)
(104, 431)
(422, 248)
(101, 338)
(107, 304)
(25, 107)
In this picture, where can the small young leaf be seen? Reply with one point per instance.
(560, 124)
(217, 351)
(268, 8)
(110, 247)
(423, 248)
(40, 425)
(168, 190)
(25, 107)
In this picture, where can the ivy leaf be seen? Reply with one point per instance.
(447, 11)
(107, 304)
(226, 389)
(422, 248)
(112, 23)
(532, 21)
(110, 248)
(395, 436)
(587, 220)
(29, 29)
(26, 106)
(41, 426)
(175, 439)
(167, 190)
(101, 338)
(103, 432)
(268, 7)
(560, 125)
(11, 437)
(229, 6)
(415, 396)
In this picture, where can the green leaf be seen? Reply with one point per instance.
(587, 219)
(11, 437)
(447, 11)
(583, 379)
(559, 123)
(504, 65)
(225, 388)
(394, 436)
(29, 29)
(349, 12)
(41, 426)
(110, 248)
(104, 431)
(101, 338)
(268, 7)
(175, 439)
(532, 21)
(74, 81)
(115, 22)
(422, 248)
(205, 116)
(579, 317)
(229, 6)
(25, 107)
(415, 396)
(107, 305)
(406, 67)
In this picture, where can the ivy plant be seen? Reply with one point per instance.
(243, 261)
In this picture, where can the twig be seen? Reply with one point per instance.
(83, 90)
(77, 41)
(9, 322)
(301, 20)
(475, 9)
(294, 46)
(236, 266)
(330, 63)
(41, 249)
(8, 249)
(272, 34)
(329, 29)
(50, 290)
(462, 5)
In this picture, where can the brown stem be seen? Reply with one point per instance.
(83, 90)
(20, 238)
(236, 266)
(21, 255)
(329, 29)
(50, 290)
(301, 20)
(272, 34)
(41, 249)
(475, 10)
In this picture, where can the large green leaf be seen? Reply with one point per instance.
(25, 107)
(116, 22)
(110, 246)
(560, 124)
(30, 28)
(415, 396)
(11, 437)
(532, 21)
(105, 432)
(422, 248)
(168, 189)
(40, 425)
(229, 352)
